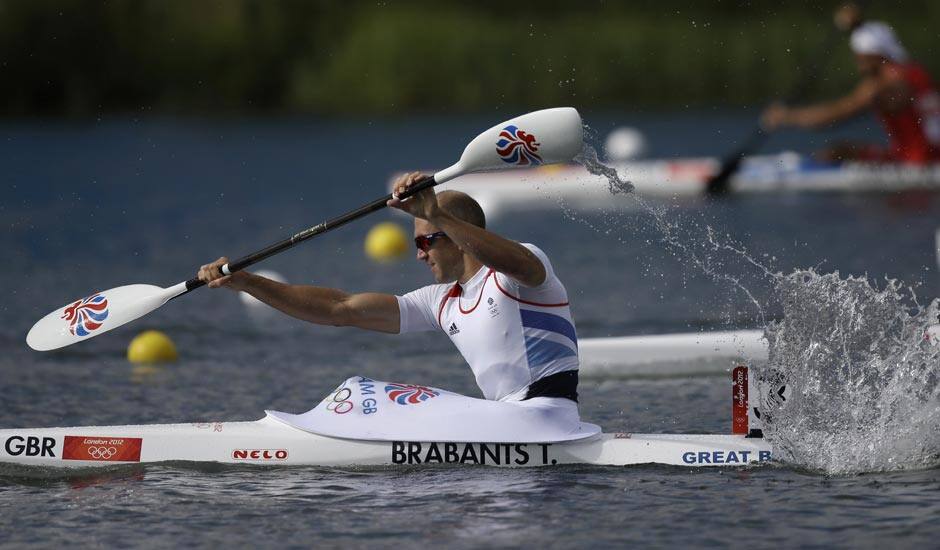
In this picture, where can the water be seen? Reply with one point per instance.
(96, 205)
(863, 380)
(860, 373)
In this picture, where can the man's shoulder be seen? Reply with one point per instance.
(433, 289)
(551, 285)
(427, 300)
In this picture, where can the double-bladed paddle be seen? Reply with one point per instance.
(548, 136)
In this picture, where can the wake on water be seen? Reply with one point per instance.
(863, 381)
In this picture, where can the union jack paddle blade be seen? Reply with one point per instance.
(96, 314)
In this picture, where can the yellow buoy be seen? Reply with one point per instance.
(386, 242)
(151, 346)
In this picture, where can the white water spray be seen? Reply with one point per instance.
(862, 377)
(863, 380)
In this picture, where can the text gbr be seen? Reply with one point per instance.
(30, 445)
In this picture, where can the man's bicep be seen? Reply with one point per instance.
(535, 271)
(542, 266)
(372, 311)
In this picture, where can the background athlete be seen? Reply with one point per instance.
(896, 88)
(499, 301)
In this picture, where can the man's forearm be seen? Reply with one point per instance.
(816, 116)
(309, 303)
(841, 109)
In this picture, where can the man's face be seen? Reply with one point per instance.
(443, 257)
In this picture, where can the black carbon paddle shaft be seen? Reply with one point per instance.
(329, 225)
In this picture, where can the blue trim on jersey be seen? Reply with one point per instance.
(550, 322)
(540, 351)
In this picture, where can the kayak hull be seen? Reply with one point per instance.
(270, 442)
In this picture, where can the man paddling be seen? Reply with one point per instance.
(898, 89)
(499, 301)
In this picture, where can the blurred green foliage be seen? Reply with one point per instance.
(86, 57)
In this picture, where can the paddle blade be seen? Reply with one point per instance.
(542, 137)
(88, 317)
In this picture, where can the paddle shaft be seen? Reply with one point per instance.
(329, 225)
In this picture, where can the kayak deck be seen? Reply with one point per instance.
(271, 442)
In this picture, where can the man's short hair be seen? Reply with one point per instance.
(462, 206)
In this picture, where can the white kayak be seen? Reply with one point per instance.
(573, 187)
(281, 439)
(670, 355)
(271, 442)
(677, 355)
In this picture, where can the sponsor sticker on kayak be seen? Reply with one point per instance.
(739, 402)
(259, 454)
(102, 449)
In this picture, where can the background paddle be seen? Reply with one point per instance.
(548, 136)
(718, 184)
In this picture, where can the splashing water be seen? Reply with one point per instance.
(588, 159)
(710, 254)
(862, 377)
(863, 382)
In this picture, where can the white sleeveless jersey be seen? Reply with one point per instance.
(510, 335)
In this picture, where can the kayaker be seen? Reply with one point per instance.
(898, 89)
(499, 301)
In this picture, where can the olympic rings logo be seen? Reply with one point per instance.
(340, 403)
(102, 453)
